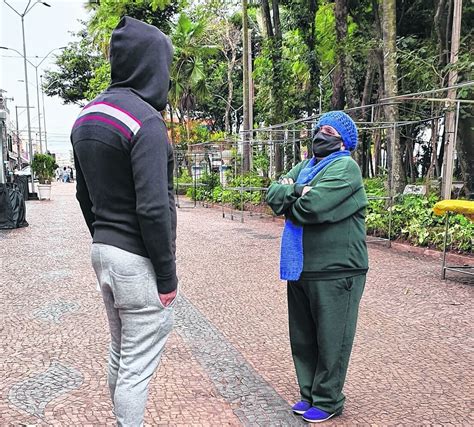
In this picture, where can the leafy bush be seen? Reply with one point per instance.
(413, 220)
(210, 189)
(43, 166)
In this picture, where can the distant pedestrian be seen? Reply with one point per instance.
(65, 175)
(124, 179)
(58, 174)
(324, 259)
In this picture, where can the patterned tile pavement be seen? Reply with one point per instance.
(228, 361)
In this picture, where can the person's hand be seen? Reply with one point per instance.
(305, 190)
(287, 181)
(167, 299)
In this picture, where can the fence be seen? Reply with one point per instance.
(213, 172)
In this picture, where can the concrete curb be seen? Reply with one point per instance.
(452, 258)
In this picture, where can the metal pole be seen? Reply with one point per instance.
(44, 116)
(176, 155)
(246, 86)
(390, 222)
(320, 95)
(443, 273)
(30, 143)
(18, 145)
(195, 180)
(2, 165)
(39, 109)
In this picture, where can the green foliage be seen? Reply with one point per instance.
(281, 87)
(77, 67)
(108, 13)
(43, 166)
(413, 220)
(99, 82)
(83, 70)
(375, 186)
(188, 80)
(418, 62)
(211, 190)
(326, 36)
(261, 162)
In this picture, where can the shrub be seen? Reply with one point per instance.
(413, 220)
(43, 166)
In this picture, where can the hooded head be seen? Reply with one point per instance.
(344, 125)
(140, 60)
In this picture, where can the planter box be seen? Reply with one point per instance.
(44, 191)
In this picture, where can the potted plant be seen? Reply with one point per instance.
(43, 166)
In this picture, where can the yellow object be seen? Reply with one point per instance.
(464, 207)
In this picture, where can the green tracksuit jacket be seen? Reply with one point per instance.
(333, 216)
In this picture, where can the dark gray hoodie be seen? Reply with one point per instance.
(123, 158)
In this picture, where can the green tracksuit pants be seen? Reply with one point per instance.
(322, 319)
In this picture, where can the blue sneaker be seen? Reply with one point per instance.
(301, 407)
(315, 415)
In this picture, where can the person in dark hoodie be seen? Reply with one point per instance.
(124, 173)
(324, 259)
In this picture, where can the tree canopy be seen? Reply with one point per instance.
(307, 56)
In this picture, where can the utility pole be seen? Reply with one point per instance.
(251, 99)
(18, 140)
(450, 125)
(44, 117)
(246, 87)
(28, 8)
(39, 111)
(18, 144)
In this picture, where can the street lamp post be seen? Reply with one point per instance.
(44, 116)
(37, 95)
(28, 8)
(37, 86)
(44, 111)
(38, 104)
(18, 145)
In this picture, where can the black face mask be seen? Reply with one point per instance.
(324, 145)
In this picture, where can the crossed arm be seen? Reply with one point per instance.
(330, 199)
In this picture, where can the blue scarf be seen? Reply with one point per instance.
(291, 255)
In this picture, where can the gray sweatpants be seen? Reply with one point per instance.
(139, 327)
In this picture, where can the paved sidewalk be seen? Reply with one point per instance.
(228, 360)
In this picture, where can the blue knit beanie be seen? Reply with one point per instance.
(344, 125)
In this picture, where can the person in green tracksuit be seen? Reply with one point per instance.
(324, 259)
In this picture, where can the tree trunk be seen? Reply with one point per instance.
(172, 124)
(246, 87)
(267, 19)
(397, 180)
(433, 169)
(230, 83)
(378, 52)
(338, 95)
(439, 25)
(276, 19)
(274, 38)
(310, 40)
(362, 154)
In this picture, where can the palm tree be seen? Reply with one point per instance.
(188, 80)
